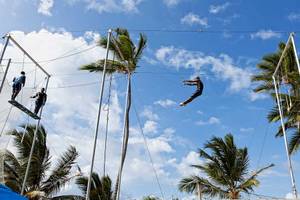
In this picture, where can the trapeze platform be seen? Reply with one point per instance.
(24, 109)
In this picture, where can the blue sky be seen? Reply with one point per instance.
(236, 34)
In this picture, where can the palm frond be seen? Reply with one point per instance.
(140, 48)
(111, 67)
(60, 174)
(294, 142)
(250, 182)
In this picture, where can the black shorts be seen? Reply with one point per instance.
(17, 86)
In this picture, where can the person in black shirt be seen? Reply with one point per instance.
(197, 93)
(41, 98)
(18, 83)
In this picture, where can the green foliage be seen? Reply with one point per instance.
(41, 182)
(101, 189)
(126, 56)
(150, 198)
(125, 53)
(225, 171)
(288, 76)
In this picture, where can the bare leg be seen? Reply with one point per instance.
(15, 93)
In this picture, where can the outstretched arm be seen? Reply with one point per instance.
(34, 96)
(190, 82)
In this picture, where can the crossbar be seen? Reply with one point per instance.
(27, 54)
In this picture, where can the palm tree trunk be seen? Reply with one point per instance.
(199, 192)
(234, 195)
(116, 195)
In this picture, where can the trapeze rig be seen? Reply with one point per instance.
(9, 38)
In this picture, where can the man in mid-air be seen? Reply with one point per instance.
(197, 82)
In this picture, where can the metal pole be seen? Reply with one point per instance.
(25, 52)
(295, 52)
(98, 116)
(106, 127)
(5, 74)
(285, 140)
(123, 150)
(33, 144)
(281, 58)
(4, 49)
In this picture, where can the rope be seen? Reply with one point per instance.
(167, 30)
(82, 84)
(28, 118)
(58, 58)
(263, 146)
(149, 153)
(106, 127)
(266, 196)
(22, 85)
(6, 120)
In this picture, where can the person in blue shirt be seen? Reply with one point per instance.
(18, 83)
(41, 98)
(198, 83)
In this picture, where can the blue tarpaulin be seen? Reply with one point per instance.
(7, 194)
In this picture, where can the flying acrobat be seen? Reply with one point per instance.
(198, 91)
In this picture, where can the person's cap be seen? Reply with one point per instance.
(197, 77)
(22, 72)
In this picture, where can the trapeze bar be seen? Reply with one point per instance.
(25, 110)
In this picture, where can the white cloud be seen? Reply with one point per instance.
(150, 126)
(169, 132)
(171, 3)
(110, 6)
(70, 113)
(265, 34)
(165, 103)
(210, 121)
(257, 96)
(45, 7)
(149, 114)
(193, 19)
(246, 129)
(215, 9)
(294, 17)
(223, 66)
(199, 112)
(184, 166)
(290, 196)
(160, 144)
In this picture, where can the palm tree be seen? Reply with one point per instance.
(289, 78)
(101, 189)
(42, 181)
(225, 171)
(150, 198)
(126, 58)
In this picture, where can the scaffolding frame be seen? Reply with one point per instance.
(9, 38)
(289, 42)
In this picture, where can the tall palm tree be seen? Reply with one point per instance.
(127, 56)
(289, 77)
(42, 181)
(226, 171)
(101, 188)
